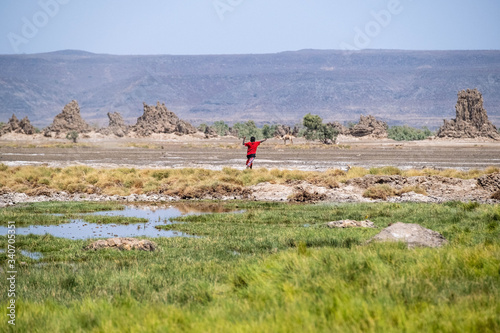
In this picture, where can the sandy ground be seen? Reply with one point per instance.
(172, 151)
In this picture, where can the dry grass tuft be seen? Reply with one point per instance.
(415, 188)
(190, 182)
(379, 192)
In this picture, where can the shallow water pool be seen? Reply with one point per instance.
(79, 229)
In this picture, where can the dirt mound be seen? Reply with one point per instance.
(351, 224)
(157, 119)
(123, 243)
(445, 188)
(116, 126)
(216, 191)
(302, 193)
(369, 126)
(471, 119)
(490, 183)
(15, 126)
(371, 180)
(412, 234)
(68, 120)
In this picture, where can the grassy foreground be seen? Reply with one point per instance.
(271, 268)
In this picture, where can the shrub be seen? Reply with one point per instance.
(379, 192)
(247, 129)
(221, 128)
(73, 136)
(316, 130)
(406, 133)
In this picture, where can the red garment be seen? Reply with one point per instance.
(252, 147)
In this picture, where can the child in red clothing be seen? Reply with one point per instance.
(252, 150)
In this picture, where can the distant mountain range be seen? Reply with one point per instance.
(401, 87)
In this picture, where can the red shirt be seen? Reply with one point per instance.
(252, 147)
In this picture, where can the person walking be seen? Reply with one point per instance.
(252, 150)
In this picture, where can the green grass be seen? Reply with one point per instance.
(103, 219)
(42, 213)
(272, 268)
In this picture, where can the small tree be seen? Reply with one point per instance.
(268, 131)
(316, 130)
(73, 136)
(327, 134)
(221, 128)
(247, 129)
(202, 127)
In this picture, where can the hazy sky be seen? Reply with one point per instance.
(246, 26)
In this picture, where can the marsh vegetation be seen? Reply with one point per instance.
(272, 268)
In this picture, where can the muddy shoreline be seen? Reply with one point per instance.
(172, 151)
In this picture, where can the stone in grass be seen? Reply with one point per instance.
(123, 243)
(351, 224)
(412, 234)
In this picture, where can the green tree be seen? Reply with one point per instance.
(73, 136)
(316, 130)
(312, 122)
(268, 131)
(247, 129)
(202, 127)
(221, 128)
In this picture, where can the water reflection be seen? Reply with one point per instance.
(29, 254)
(156, 215)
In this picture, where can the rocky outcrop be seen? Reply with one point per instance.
(116, 126)
(68, 120)
(123, 243)
(351, 224)
(490, 182)
(15, 126)
(157, 119)
(471, 119)
(210, 132)
(341, 129)
(282, 130)
(412, 234)
(369, 126)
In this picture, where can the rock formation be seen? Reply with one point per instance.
(116, 126)
(369, 126)
(68, 120)
(412, 234)
(210, 132)
(157, 119)
(351, 224)
(490, 182)
(282, 130)
(341, 129)
(15, 126)
(123, 243)
(471, 119)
